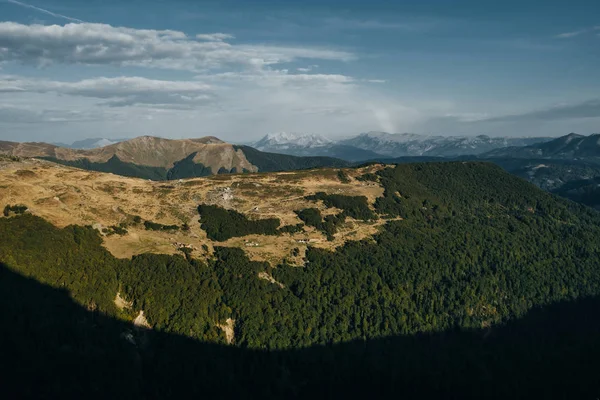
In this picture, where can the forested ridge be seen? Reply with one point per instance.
(476, 248)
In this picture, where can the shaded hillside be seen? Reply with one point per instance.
(586, 191)
(270, 162)
(341, 151)
(53, 347)
(566, 147)
(115, 166)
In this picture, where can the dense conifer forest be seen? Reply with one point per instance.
(461, 295)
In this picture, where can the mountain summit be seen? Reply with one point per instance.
(311, 145)
(285, 140)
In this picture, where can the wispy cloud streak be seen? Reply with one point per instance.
(42, 10)
(567, 35)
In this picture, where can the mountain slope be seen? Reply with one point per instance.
(406, 144)
(468, 267)
(55, 348)
(158, 159)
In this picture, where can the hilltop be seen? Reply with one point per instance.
(71, 196)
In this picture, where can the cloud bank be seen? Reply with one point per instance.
(102, 44)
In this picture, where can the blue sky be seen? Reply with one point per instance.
(241, 69)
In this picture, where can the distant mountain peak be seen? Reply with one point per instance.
(287, 139)
(393, 137)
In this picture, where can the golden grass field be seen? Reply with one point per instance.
(65, 196)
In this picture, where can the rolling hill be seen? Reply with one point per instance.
(161, 159)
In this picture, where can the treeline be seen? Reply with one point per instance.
(221, 224)
(356, 207)
(120, 229)
(327, 225)
(155, 226)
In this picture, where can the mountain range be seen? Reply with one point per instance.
(312, 145)
(568, 165)
(159, 159)
(372, 145)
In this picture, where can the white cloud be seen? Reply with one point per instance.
(101, 44)
(230, 105)
(307, 69)
(121, 91)
(412, 24)
(568, 35)
(29, 115)
(214, 37)
(239, 89)
(266, 77)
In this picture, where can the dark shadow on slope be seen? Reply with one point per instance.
(273, 162)
(51, 347)
(115, 166)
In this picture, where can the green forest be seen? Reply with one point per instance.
(327, 225)
(476, 249)
(221, 224)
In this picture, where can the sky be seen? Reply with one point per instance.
(72, 69)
